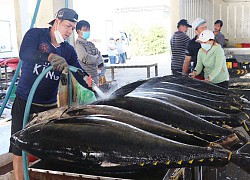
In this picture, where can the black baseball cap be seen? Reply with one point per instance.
(183, 22)
(66, 14)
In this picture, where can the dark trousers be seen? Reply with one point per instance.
(17, 113)
(223, 84)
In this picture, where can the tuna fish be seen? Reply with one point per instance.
(159, 122)
(212, 115)
(169, 114)
(100, 139)
(121, 115)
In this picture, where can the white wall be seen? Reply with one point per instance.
(7, 14)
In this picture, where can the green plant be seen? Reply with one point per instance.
(147, 41)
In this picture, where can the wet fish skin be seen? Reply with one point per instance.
(194, 92)
(121, 115)
(198, 84)
(214, 116)
(169, 114)
(242, 157)
(139, 121)
(100, 139)
(231, 107)
(121, 92)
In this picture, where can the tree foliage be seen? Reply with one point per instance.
(147, 42)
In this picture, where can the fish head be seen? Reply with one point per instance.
(26, 139)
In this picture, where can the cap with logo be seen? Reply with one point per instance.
(66, 14)
(183, 22)
(197, 22)
(205, 36)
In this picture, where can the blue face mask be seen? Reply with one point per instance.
(85, 35)
(206, 47)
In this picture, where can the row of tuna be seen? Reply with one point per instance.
(166, 121)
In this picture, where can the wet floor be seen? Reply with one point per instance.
(4, 136)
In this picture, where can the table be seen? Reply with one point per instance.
(113, 66)
(10, 62)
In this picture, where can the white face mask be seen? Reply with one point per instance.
(206, 47)
(58, 35)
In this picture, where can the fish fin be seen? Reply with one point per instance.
(124, 90)
(191, 161)
(242, 157)
(179, 162)
(168, 162)
(211, 159)
(142, 164)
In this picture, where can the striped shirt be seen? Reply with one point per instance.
(178, 44)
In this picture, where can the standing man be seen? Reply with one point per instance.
(88, 55)
(120, 51)
(193, 47)
(219, 37)
(112, 51)
(178, 44)
(40, 48)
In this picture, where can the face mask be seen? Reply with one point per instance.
(58, 35)
(85, 35)
(206, 47)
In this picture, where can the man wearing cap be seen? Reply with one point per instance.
(212, 60)
(178, 44)
(219, 37)
(40, 48)
(193, 47)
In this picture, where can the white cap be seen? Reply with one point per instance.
(197, 23)
(205, 36)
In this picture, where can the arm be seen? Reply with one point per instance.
(29, 50)
(221, 40)
(186, 65)
(74, 62)
(220, 58)
(199, 66)
(84, 56)
(99, 59)
(187, 60)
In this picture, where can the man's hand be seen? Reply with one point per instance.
(207, 80)
(58, 62)
(192, 74)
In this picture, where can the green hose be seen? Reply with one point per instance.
(27, 111)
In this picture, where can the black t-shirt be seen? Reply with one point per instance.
(192, 50)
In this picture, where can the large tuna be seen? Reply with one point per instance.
(169, 114)
(99, 139)
(121, 115)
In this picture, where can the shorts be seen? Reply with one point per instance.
(17, 113)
